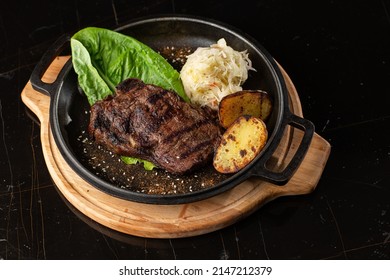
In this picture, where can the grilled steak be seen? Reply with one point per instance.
(148, 122)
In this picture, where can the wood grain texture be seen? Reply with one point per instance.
(184, 220)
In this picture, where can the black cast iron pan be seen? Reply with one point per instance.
(174, 37)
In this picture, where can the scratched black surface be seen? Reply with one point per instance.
(338, 55)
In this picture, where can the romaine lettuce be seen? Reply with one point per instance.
(103, 58)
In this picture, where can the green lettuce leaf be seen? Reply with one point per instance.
(131, 160)
(103, 58)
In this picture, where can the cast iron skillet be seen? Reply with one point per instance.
(69, 116)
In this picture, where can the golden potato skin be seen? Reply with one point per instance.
(240, 144)
(255, 103)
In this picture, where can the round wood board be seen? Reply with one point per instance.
(183, 220)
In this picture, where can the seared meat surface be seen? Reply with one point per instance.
(148, 122)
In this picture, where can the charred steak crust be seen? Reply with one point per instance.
(148, 122)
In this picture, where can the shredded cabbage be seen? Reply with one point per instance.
(211, 73)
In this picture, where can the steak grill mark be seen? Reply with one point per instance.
(148, 122)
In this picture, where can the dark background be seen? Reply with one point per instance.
(338, 56)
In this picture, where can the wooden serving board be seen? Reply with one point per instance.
(183, 220)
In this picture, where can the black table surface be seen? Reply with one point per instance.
(338, 56)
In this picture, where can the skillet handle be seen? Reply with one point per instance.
(282, 177)
(43, 65)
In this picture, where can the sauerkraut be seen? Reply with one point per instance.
(211, 73)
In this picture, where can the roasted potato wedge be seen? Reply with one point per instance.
(255, 103)
(240, 144)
